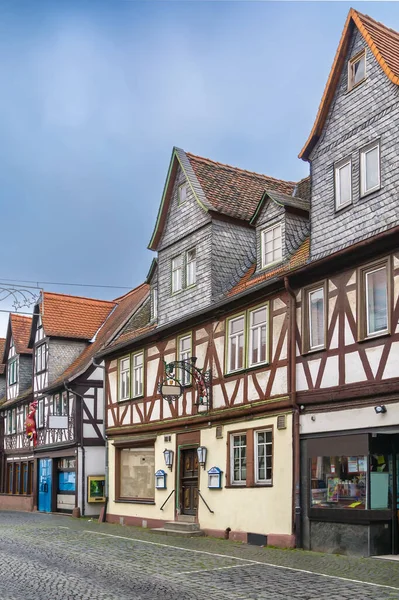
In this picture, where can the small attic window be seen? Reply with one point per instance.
(356, 70)
(182, 193)
(271, 246)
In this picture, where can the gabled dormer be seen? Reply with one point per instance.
(353, 145)
(17, 356)
(282, 225)
(203, 235)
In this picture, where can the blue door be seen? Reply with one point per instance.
(45, 485)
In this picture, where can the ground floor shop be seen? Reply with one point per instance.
(17, 482)
(350, 481)
(234, 479)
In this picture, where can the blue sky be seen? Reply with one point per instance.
(96, 93)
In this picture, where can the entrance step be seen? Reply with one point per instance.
(180, 528)
(186, 518)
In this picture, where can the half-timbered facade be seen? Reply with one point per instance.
(217, 294)
(68, 450)
(347, 303)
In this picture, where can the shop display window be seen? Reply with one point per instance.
(339, 482)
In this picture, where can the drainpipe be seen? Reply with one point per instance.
(296, 482)
(82, 500)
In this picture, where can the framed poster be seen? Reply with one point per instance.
(96, 488)
(333, 489)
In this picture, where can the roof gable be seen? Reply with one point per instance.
(383, 43)
(283, 200)
(19, 333)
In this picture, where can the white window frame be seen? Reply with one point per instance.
(177, 279)
(40, 357)
(366, 274)
(184, 377)
(351, 63)
(191, 264)
(235, 335)
(363, 177)
(337, 168)
(263, 234)
(257, 479)
(154, 303)
(251, 328)
(138, 374)
(309, 294)
(233, 435)
(181, 186)
(40, 413)
(120, 373)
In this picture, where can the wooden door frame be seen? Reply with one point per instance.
(179, 471)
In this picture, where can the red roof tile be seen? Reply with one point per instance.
(20, 330)
(124, 308)
(383, 43)
(298, 259)
(233, 191)
(73, 316)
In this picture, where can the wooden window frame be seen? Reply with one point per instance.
(43, 347)
(262, 246)
(363, 334)
(172, 271)
(247, 319)
(251, 455)
(268, 482)
(306, 337)
(128, 358)
(351, 62)
(40, 413)
(117, 481)
(232, 435)
(132, 371)
(337, 167)
(178, 356)
(14, 362)
(362, 161)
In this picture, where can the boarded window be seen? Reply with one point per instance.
(136, 477)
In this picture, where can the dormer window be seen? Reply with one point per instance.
(356, 70)
(182, 193)
(13, 371)
(271, 245)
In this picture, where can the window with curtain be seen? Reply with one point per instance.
(257, 352)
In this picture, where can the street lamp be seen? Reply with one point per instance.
(201, 453)
(168, 456)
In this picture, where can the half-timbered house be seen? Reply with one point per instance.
(68, 450)
(347, 303)
(224, 238)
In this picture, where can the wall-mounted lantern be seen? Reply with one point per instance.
(160, 480)
(168, 456)
(215, 478)
(201, 453)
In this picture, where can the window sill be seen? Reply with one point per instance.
(120, 501)
(370, 193)
(374, 336)
(339, 209)
(240, 486)
(132, 399)
(40, 372)
(247, 369)
(313, 351)
(355, 86)
(271, 265)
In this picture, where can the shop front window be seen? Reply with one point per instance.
(339, 482)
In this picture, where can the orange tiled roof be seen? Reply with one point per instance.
(298, 259)
(383, 43)
(20, 330)
(2, 345)
(233, 191)
(73, 316)
(125, 306)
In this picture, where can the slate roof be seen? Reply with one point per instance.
(233, 191)
(383, 43)
(73, 316)
(124, 307)
(2, 346)
(251, 280)
(20, 330)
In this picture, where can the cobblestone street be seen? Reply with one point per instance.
(49, 557)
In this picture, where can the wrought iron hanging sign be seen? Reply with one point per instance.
(171, 387)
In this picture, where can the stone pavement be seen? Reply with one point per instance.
(49, 557)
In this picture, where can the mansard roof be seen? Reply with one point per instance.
(72, 316)
(383, 43)
(2, 346)
(125, 306)
(218, 188)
